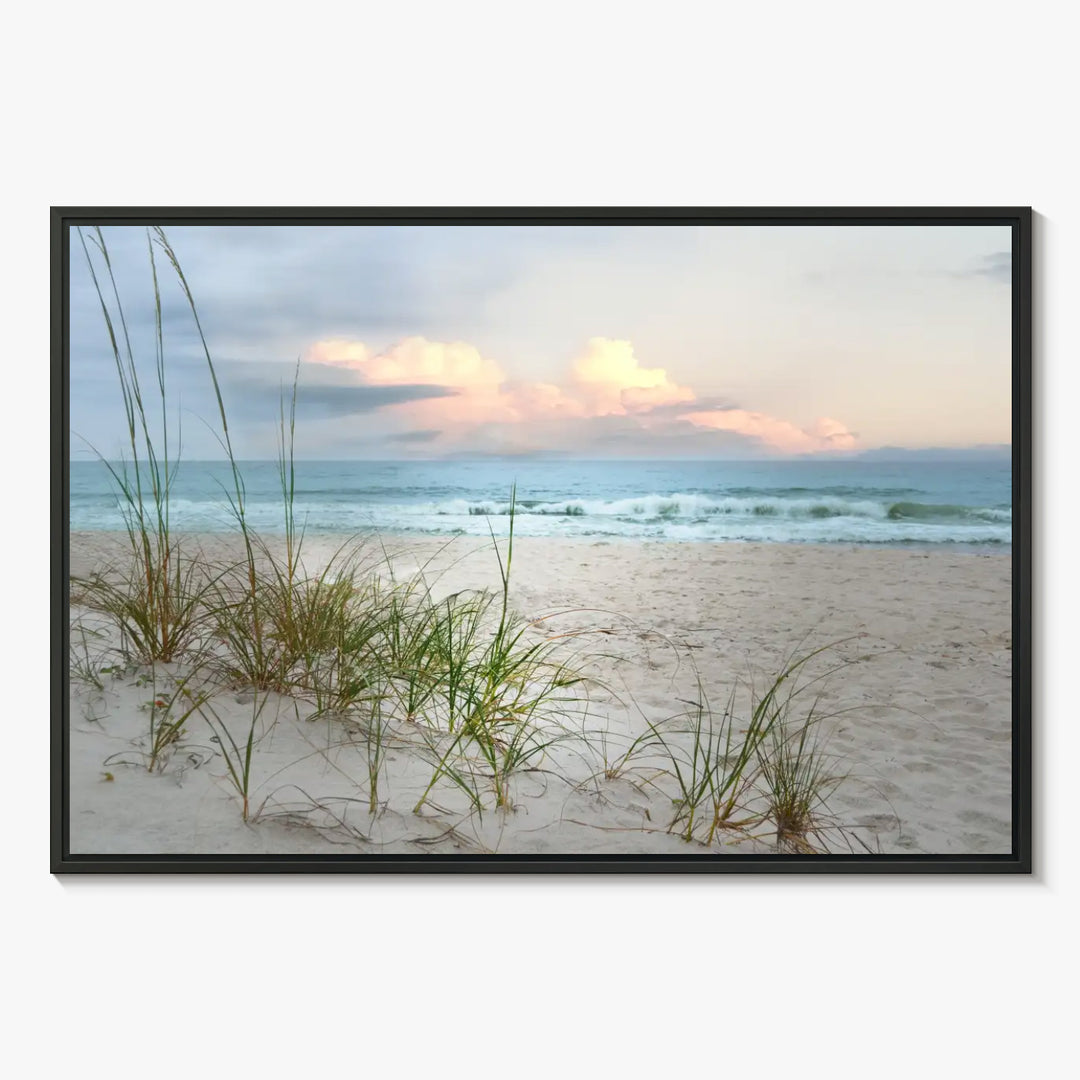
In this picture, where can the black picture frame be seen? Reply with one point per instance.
(1019, 861)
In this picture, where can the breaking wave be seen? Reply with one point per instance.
(672, 507)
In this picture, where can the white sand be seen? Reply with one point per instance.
(920, 709)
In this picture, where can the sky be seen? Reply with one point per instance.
(587, 341)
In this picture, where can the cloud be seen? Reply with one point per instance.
(257, 390)
(992, 452)
(777, 434)
(425, 436)
(606, 379)
(996, 267)
(348, 400)
(677, 409)
(611, 380)
(414, 360)
(834, 433)
(472, 383)
(456, 392)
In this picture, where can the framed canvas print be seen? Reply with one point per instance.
(547, 539)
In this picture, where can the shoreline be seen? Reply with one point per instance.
(981, 548)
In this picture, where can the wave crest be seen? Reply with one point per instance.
(695, 506)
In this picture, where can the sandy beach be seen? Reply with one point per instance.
(915, 691)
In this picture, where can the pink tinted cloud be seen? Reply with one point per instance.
(611, 382)
(782, 435)
(477, 380)
(414, 360)
(605, 380)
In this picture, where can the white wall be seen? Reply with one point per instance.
(575, 104)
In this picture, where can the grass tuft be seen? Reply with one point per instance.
(797, 777)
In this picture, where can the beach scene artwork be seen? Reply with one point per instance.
(537, 539)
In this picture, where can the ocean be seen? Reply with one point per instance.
(965, 504)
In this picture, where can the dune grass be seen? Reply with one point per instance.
(733, 774)
(797, 777)
(169, 715)
(83, 664)
(506, 697)
(158, 600)
(237, 755)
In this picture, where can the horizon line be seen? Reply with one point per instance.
(902, 454)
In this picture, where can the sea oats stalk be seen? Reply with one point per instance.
(158, 601)
(237, 755)
(169, 714)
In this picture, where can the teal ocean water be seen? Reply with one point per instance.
(958, 503)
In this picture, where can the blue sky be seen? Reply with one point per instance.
(430, 341)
